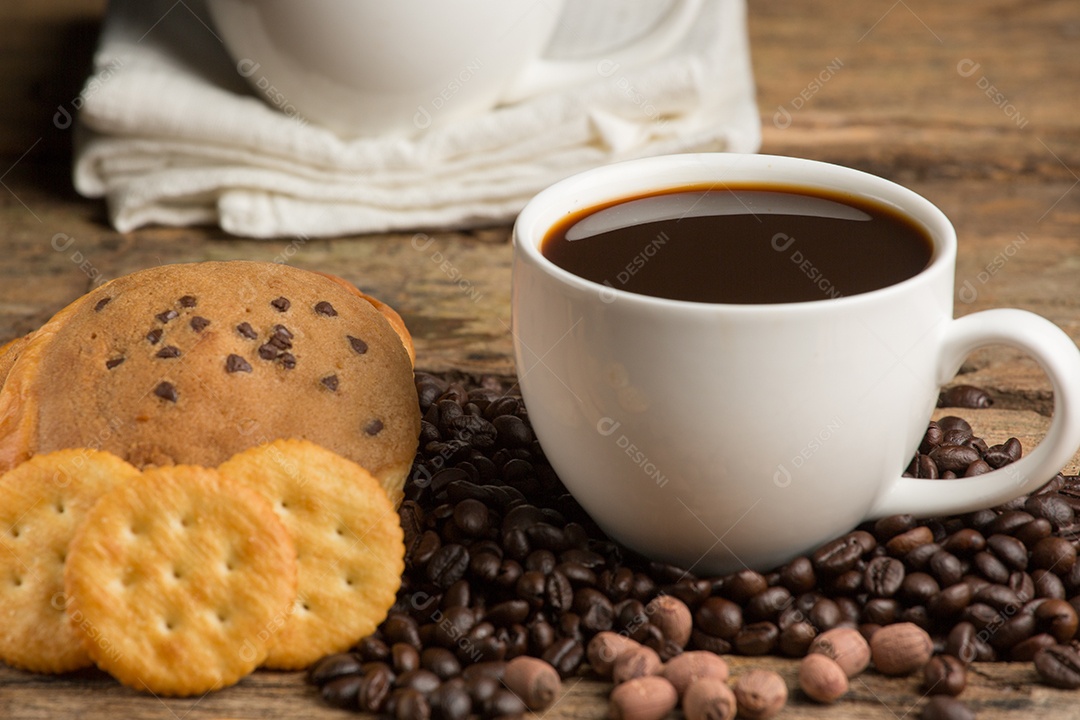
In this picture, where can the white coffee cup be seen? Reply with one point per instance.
(722, 436)
(371, 67)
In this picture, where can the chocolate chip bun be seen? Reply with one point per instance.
(192, 363)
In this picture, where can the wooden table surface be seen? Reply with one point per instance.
(970, 103)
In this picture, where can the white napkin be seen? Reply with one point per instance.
(169, 133)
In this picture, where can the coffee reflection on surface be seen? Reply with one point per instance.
(741, 244)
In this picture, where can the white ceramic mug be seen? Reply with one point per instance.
(721, 436)
(372, 67)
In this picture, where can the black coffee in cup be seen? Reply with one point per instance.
(745, 244)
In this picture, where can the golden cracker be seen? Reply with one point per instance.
(42, 502)
(177, 580)
(349, 544)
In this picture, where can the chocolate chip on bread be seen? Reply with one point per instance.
(192, 363)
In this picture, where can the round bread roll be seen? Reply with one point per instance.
(193, 363)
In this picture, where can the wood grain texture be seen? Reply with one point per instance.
(970, 103)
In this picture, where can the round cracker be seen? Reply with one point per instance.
(179, 579)
(349, 545)
(42, 502)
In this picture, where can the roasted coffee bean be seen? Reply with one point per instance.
(425, 548)
(766, 605)
(1032, 532)
(979, 467)
(334, 666)
(881, 611)
(692, 591)
(630, 614)
(1055, 554)
(701, 641)
(1051, 508)
(569, 626)
(954, 457)
(946, 568)
(847, 583)
(1058, 618)
(342, 691)
(373, 649)
(991, 568)
(798, 575)
(596, 611)
(481, 688)
(838, 556)
(918, 587)
(1022, 584)
(1059, 666)
(982, 615)
(950, 601)
(565, 655)
(530, 587)
(509, 574)
(943, 707)
(508, 612)
(883, 576)
(1008, 522)
(1026, 650)
(1014, 630)
(965, 396)
(889, 527)
(503, 704)
(457, 595)
(399, 627)
(919, 558)
(923, 466)
(825, 614)
(1009, 550)
(961, 642)
(410, 704)
(744, 585)
(471, 516)
(795, 639)
(541, 561)
(376, 687)
(944, 675)
(421, 680)
(901, 545)
(441, 662)
(758, 638)
(931, 438)
(450, 701)
(580, 575)
(456, 622)
(964, 542)
(719, 618)
(404, 658)
(1048, 585)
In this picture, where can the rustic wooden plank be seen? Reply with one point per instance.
(995, 691)
(902, 103)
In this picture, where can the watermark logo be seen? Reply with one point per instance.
(609, 426)
(62, 118)
(247, 68)
(422, 118)
(969, 291)
(782, 478)
(967, 68)
(421, 242)
(782, 242)
(782, 118)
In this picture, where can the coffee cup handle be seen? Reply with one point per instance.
(1060, 360)
(546, 75)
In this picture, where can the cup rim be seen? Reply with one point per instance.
(657, 173)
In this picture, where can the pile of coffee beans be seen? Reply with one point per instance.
(502, 563)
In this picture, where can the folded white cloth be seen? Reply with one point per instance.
(170, 134)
